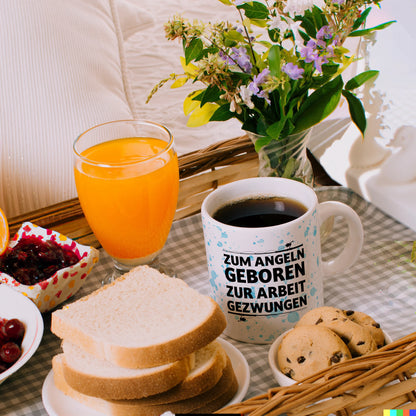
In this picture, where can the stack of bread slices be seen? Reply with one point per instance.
(143, 345)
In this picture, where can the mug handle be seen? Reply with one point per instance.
(354, 243)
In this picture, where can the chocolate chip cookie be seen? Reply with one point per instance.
(310, 348)
(358, 338)
(368, 322)
(321, 315)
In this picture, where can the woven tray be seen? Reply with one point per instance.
(363, 386)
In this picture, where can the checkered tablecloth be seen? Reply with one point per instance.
(382, 283)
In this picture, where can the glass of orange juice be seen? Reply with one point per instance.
(127, 178)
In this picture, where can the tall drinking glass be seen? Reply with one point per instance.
(127, 178)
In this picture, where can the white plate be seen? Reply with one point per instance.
(57, 403)
(15, 305)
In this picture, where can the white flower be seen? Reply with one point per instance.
(245, 94)
(297, 7)
(288, 44)
(278, 23)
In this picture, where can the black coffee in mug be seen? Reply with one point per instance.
(260, 212)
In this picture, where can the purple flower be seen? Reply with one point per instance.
(240, 57)
(292, 70)
(319, 61)
(261, 78)
(254, 86)
(325, 32)
(309, 53)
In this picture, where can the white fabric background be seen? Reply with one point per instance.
(60, 74)
(62, 71)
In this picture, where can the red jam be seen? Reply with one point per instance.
(33, 260)
(11, 336)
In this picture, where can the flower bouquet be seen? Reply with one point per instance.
(278, 70)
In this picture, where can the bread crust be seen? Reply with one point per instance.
(208, 401)
(194, 385)
(162, 379)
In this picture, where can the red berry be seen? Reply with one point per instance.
(33, 260)
(10, 352)
(13, 330)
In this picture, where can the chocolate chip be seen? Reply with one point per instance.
(376, 325)
(301, 359)
(288, 360)
(360, 342)
(290, 373)
(349, 312)
(320, 320)
(336, 358)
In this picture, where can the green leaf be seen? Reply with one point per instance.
(222, 113)
(356, 111)
(261, 142)
(205, 52)
(193, 50)
(274, 130)
(258, 22)
(319, 17)
(273, 59)
(234, 35)
(255, 10)
(309, 26)
(227, 2)
(210, 94)
(361, 19)
(360, 79)
(304, 35)
(364, 32)
(319, 105)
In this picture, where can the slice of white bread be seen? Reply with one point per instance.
(96, 377)
(99, 378)
(142, 319)
(210, 362)
(212, 399)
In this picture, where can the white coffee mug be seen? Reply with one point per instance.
(265, 278)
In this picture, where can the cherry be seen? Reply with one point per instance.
(10, 352)
(13, 330)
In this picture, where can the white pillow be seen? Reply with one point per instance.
(62, 71)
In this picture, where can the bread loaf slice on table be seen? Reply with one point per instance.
(142, 319)
(216, 397)
(100, 378)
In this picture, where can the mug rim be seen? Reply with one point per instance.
(205, 211)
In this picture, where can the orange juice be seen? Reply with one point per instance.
(129, 193)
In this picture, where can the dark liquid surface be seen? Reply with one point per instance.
(261, 212)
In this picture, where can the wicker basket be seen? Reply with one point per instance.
(204, 170)
(362, 386)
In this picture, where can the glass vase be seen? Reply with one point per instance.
(286, 157)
